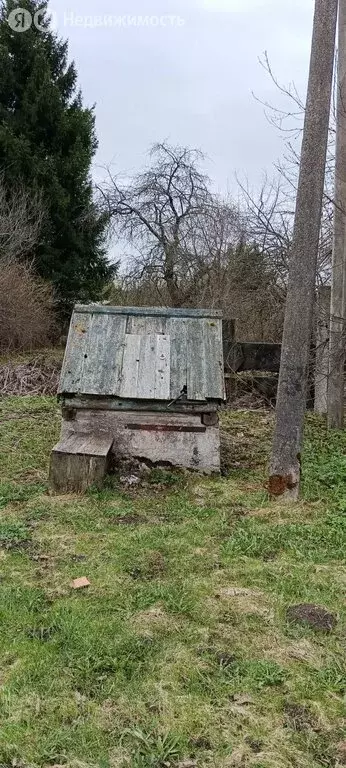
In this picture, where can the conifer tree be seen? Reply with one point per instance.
(47, 143)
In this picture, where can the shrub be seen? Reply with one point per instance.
(26, 307)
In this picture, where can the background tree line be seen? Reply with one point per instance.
(178, 243)
(51, 226)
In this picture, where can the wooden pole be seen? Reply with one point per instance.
(322, 350)
(338, 308)
(284, 478)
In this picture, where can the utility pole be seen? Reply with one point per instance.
(284, 478)
(338, 299)
(322, 350)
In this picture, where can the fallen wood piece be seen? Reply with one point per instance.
(79, 462)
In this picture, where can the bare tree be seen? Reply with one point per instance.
(26, 307)
(291, 402)
(21, 218)
(270, 212)
(156, 214)
(26, 302)
(269, 215)
(188, 246)
(236, 274)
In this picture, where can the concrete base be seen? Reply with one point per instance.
(179, 439)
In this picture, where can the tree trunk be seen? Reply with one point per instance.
(338, 308)
(291, 402)
(322, 350)
(175, 296)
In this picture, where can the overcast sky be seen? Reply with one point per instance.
(191, 83)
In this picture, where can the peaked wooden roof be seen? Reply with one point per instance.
(144, 353)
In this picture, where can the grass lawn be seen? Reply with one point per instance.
(180, 652)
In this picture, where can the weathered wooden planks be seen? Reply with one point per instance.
(94, 355)
(162, 368)
(146, 324)
(78, 462)
(146, 367)
(177, 328)
(196, 360)
(130, 366)
(214, 367)
(72, 368)
(71, 404)
(103, 364)
(149, 311)
(150, 356)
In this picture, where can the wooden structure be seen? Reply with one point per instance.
(322, 350)
(138, 382)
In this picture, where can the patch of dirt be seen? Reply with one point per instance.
(341, 752)
(314, 616)
(238, 759)
(255, 745)
(37, 558)
(200, 742)
(300, 718)
(153, 614)
(129, 520)
(238, 592)
(225, 659)
(303, 651)
(152, 568)
(154, 619)
(242, 601)
(25, 545)
(242, 699)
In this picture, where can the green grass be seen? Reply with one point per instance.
(179, 653)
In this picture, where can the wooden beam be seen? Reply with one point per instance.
(148, 311)
(112, 404)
